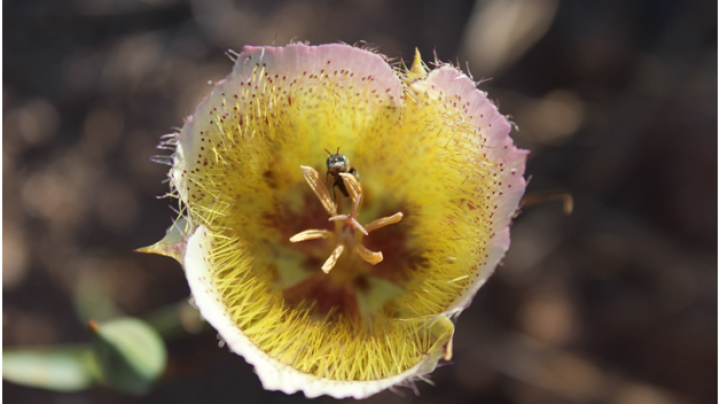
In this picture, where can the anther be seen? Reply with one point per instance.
(369, 256)
(384, 221)
(311, 234)
(332, 260)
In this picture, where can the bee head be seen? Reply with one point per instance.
(338, 162)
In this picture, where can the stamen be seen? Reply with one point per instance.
(318, 186)
(311, 234)
(385, 221)
(355, 191)
(332, 260)
(352, 185)
(369, 256)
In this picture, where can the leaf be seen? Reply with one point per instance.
(131, 354)
(61, 368)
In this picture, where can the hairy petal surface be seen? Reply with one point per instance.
(280, 263)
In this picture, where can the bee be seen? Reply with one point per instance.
(337, 163)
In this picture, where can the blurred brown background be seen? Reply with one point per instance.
(616, 99)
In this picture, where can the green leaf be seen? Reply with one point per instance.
(131, 354)
(176, 319)
(61, 368)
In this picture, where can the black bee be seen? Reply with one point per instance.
(337, 163)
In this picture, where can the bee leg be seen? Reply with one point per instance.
(341, 185)
(355, 173)
(333, 185)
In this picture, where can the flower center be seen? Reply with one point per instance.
(343, 272)
(348, 231)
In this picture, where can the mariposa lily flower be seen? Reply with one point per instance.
(339, 212)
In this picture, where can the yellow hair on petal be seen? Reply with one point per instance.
(421, 156)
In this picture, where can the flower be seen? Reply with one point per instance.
(334, 278)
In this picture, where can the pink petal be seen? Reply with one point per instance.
(297, 60)
(495, 146)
